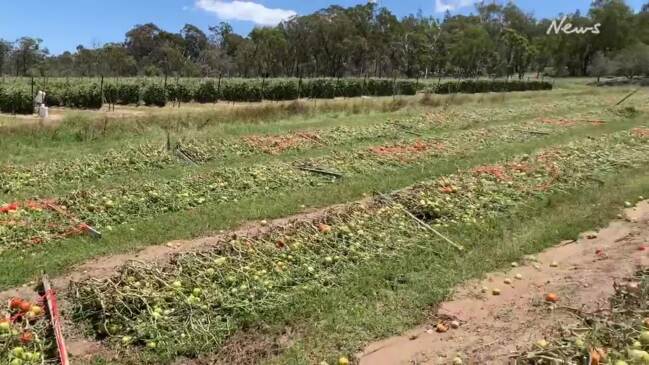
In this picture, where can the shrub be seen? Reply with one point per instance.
(281, 90)
(483, 86)
(179, 92)
(206, 92)
(242, 91)
(128, 93)
(319, 89)
(379, 87)
(406, 88)
(16, 100)
(154, 94)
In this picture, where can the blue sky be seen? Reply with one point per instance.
(64, 24)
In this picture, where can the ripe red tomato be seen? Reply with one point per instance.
(15, 303)
(26, 337)
(25, 306)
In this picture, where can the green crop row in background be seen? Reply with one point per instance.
(17, 97)
(484, 86)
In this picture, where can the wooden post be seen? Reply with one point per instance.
(101, 92)
(53, 309)
(178, 88)
(218, 88)
(263, 86)
(394, 85)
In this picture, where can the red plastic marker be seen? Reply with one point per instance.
(50, 298)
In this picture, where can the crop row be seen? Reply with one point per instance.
(484, 86)
(147, 156)
(144, 199)
(195, 303)
(92, 95)
(132, 201)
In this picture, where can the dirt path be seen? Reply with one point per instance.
(493, 328)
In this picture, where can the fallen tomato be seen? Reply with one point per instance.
(552, 298)
(26, 337)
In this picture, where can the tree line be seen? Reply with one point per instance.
(498, 40)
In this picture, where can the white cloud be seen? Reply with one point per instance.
(450, 5)
(245, 10)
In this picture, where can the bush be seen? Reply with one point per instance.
(16, 101)
(349, 88)
(84, 96)
(319, 89)
(379, 87)
(53, 97)
(179, 92)
(128, 94)
(242, 91)
(281, 90)
(406, 88)
(206, 92)
(154, 94)
(483, 86)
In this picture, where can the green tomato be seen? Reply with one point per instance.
(18, 351)
(151, 345)
(5, 327)
(16, 361)
(636, 355)
(644, 337)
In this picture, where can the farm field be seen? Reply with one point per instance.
(393, 201)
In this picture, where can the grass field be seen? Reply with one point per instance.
(503, 175)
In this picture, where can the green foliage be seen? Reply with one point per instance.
(319, 89)
(206, 92)
(15, 101)
(88, 94)
(242, 91)
(379, 87)
(484, 86)
(179, 92)
(128, 94)
(154, 95)
(406, 88)
(281, 90)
